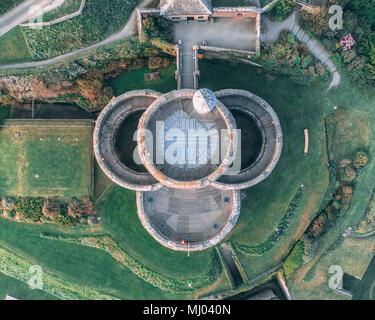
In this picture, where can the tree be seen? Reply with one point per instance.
(310, 245)
(347, 174)
(51, 209)
(317, 226)
(360, 159)
(77, 209)
(29, 208)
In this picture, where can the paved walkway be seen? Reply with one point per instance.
(56, 21)
(224, 33)
(364, 236)
(315, 47)
(130, 29)
(25, 11)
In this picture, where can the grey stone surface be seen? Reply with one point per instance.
(185, 7)
(269, 124)
(188, 220)
(105, 131)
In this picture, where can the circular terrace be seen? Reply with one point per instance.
(169, 141)
(260, 128)
(114, 142)
(173, 219)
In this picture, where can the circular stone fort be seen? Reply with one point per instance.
(188, 153)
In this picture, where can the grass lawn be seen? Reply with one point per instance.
(99, 20)
(348, 98)
(351, 132)
(68, 7)
(353, 256)
(101, 182)
(298, 107)
(135, 80)
(74, 263)
(365, 290)
(20, 290)
(119, 219)
(13, 47)
(47, 159)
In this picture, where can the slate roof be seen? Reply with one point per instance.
(182, 7)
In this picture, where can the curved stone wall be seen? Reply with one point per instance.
(106, 128)
(231, 218)
(269, 124)
(170, 102)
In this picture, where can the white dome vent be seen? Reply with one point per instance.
(204, 101)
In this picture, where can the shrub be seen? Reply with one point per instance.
(29, 208)
(347, 174)
(295, 258)
(51, 209)
(77, 209)
(157, 28)
(291, 38)
(346, 195)
(360, 159)
(310, 246)
(11, 214)
(317, 226)
(8, 203)
(283, 9)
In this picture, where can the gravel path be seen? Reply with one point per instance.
(23, 12)
(130, 29)
(365, 236)
(315, 47)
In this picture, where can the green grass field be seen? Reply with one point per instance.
(68, 7)
(47, 159)
(99, 20)
(135, 80)
(353, 256)
(20, 290)
(298, 107)
(13, 47)
(360, 108)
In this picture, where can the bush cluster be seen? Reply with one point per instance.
(33, 210)
(359, 23)
(290, 57)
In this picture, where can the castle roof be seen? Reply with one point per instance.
(182, 7)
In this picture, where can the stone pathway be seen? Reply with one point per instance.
(315, 47)
(187, 63)
(56, 21)
(25, 11)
